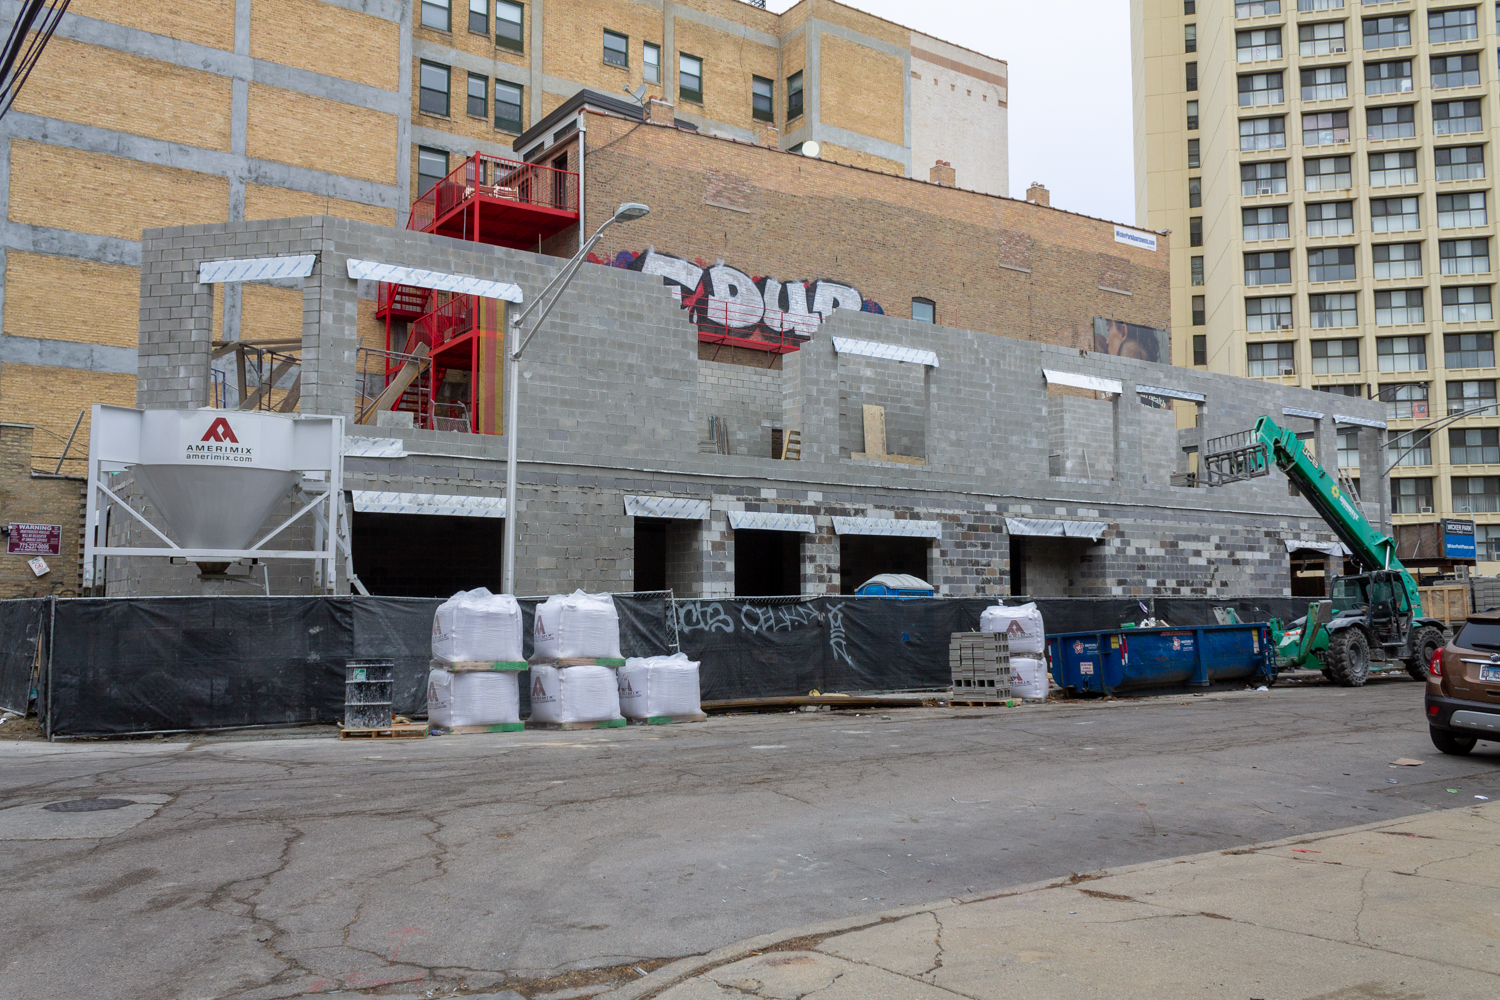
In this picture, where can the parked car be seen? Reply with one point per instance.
(1463, 687)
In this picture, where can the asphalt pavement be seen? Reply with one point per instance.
(267, 868)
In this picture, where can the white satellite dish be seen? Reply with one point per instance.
(811, 149)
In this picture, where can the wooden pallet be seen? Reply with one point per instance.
(398, 731)
(470, 666)
(667, 720)
(498, 727)
(569, 726)
(578, 661)
(982, 703)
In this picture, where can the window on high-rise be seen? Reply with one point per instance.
(1399, 307)
(507, 107)
(1405, 401)
(1468, 350)
(1325, 128)
(1327, 173)
(1257, 45)
(1272, 312)
(1326, 83)
(433, 85)
(1271, 360)
(1190, 38)
(1458, 211)
(1387, 32)
(1388, 77)
(1193, 157)
(924, 310)
(1474, 395)
(1200, 310)
(1397, 260)
(1412, 496)
(478, 104)
(1411, 448)
(1335, 357)
(794, 97)
(1393, 121)
(1461, 70)
(690, 78)
(1273, 267)
(1320, 39)
(1475, 494)
(1261, 89)
(1192, 115)
(1474, 445)
(1314, 5)
(1459, 163)
(1453, 25)
(1195, 192)
(1467, 304)
(1330, 264)
(1393, 169)
(1190, 6)
(1464, 256)
(432, 166)
(1195, 231)
(1393, 215)
(1401, 354)
(1348, 443)
(1487, 542)
(762, 99)
(1195, 271)
(1269, 223)
(1262, 133)
(1456, 117)
(1200, 349)
(510, 18)
(1257, 8)
(616, 49)
(1191, 70)
(479, 17)
(651, 62)
(1330, 218)
(1326, 312)
(436, 14)
(1265, 177)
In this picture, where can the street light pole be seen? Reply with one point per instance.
(627, 212)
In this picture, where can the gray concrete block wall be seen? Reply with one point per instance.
(899, 387)
(749, 399)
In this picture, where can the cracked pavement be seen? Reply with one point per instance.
(278, 867)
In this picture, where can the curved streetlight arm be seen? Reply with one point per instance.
(555, 288)
(1436, 425)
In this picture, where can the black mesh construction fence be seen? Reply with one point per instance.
(21, 624)
(122, 665)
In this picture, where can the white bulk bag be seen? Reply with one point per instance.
(1022, 625)
(576, 626)
(473, 698)
(475, 626)
(1028, 678)
(574, 694)
(652, 686)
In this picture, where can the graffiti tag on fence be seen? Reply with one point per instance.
(694, 616)
(836, 640)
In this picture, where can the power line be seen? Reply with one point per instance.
(29, 35)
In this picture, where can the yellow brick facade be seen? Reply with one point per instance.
(321, 134)
(40, 287)
(864, 90)
(29, 498)
(270, 313)
(51, 399)
(203, 22)
(856, 158)
(126, 93)
(280, 30)
(108, 195)
(263, 202)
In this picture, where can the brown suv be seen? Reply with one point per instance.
(1463, 687)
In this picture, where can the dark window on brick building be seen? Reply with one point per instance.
(924, 310)
(479, 16)
(762, 99)
(690, 77)
(616, 49)
(479, 96)
(434, 89)
(510, 20)
(432, 166)
(507, 107)
(794, 95)
(437, 14)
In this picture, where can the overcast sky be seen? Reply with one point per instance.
(1069, 88)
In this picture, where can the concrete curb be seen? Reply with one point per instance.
(685, 968)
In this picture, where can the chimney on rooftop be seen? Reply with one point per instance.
(1038, 194)
(770, 135)
(942, 173)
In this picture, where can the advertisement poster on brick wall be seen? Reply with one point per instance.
(34, 539)
(1127, 340)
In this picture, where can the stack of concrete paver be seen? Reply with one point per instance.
(980, 665)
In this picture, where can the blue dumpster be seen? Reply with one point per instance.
(1136, 659)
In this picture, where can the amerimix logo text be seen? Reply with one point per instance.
(206, 452)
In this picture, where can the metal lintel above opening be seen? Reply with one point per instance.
(1110, 385)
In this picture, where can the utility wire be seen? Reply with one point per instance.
(29, 35)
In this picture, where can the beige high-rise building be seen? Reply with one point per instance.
(1326, 169)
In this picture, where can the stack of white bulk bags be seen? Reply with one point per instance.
(476, 626)
(576, 626)
(476, 659)
(659, 687)
(575, 651)
(474, 698)
(1023, 626)
(585, 693)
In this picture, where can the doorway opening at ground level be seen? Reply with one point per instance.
(666, 555)
(767, 563)
(864, 556)
(1048, 567)
(427, 555)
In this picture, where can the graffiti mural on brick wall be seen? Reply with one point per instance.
(726, 301)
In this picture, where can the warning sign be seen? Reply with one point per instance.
(35, 540)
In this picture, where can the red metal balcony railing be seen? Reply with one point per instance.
(498, 181)
(447, 322)
(752, 326)
(400, 301)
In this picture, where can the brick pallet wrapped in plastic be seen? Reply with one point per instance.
(574, 694)
(577, 626)
(473, 698)
(477, 626)
(659, 687)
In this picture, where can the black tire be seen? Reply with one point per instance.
(1425, 641)
(1328, 675)
(1450, 742)
(1349, 657)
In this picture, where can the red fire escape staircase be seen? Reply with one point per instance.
(488, 199)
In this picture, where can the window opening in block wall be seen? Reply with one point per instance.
(389, 553)
(864, 556)
(767, 563)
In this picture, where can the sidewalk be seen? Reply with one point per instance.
(1392, 911)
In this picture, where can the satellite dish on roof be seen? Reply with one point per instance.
(810, 149)
(637, 95)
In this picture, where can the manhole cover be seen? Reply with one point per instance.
(87, 805)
